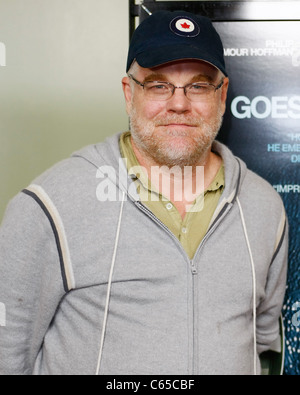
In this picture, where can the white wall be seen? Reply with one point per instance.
(61, 87)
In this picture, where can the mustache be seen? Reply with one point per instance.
(178, 120)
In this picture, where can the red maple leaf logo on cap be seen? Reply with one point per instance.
(185, 25)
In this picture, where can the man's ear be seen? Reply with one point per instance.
(127, 93)
(224, 93)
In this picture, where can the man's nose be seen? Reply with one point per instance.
(179, 102)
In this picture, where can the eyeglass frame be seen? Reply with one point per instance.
(216, 87)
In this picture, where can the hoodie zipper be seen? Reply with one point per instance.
(221, 216)
(191, 262)
(193, 268)
(142, 207)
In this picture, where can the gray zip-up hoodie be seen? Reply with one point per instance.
(90, 286)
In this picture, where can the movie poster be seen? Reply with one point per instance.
(262, 126)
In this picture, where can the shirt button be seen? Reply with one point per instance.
(184, 230)
(169, 206)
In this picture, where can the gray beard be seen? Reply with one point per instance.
(162, 153)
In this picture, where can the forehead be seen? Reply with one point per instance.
(181, 69)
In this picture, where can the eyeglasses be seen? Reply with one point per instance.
(162, 91)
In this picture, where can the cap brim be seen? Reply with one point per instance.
(167, 54)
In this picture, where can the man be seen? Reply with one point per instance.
(157, 251)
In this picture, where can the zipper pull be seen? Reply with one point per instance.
(193, 267)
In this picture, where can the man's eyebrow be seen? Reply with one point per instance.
(163, 77)
(202, 77)
(155, 77)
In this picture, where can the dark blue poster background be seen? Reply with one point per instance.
(262, 126)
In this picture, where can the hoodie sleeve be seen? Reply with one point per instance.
(31, 284)
(269, 310)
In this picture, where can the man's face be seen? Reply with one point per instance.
(177, 131)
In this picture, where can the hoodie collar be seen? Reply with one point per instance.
(108, 154)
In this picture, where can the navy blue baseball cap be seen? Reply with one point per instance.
(167, 36)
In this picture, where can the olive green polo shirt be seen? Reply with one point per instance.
(189, 230)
